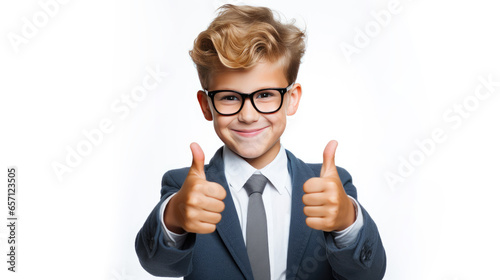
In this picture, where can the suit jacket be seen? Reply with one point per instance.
(312, 254)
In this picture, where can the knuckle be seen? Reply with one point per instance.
(192, 200)
(188, 215)
(332, 212)
(311, 223)
(222, 206)
(330, 184)
(218, 218)
(212, 228)
(209, 228)
(191, 215)
(306, 199)
(308, 222)
(223, 193)
(197, 186)
(331, 199)
(306, 186)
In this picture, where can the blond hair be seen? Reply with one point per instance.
(241, 36)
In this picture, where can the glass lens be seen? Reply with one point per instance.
(227, 102)
(268, 100)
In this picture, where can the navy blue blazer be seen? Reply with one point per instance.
(312, 254)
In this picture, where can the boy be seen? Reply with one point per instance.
(255, 211)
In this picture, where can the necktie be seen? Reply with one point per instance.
(257, 248)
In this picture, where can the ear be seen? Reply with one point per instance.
(205, 105)
(294, 96)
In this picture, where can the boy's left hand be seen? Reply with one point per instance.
(327, 206)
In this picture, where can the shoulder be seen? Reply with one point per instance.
(175, 176)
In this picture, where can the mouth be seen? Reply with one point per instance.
(249, 132)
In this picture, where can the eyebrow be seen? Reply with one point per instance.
(260, 88)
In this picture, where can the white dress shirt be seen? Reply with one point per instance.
(277, 197)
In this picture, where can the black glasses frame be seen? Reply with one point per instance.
(282, 91)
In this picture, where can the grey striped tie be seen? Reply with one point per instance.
(257, 248)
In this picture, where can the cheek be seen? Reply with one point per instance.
(278, 121)
(221, 123)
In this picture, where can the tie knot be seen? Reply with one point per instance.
(255, 184)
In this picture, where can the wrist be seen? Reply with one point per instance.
(170, 217)
(350, 216)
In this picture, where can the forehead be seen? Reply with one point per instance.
(262, 75)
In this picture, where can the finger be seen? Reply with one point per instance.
(313, 199)
(328, 169)
(213, 205)
(210, 218)
(215, 190)
(198, 165)
(201, 227)
(314, 211)
(314, 185)
(315, 223)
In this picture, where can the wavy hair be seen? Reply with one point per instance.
(241, 36)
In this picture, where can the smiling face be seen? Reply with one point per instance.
(252, 135)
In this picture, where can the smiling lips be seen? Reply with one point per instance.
(249, 132)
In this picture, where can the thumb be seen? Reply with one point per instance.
(328, 169)
(198, 165)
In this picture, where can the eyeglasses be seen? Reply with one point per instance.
(230, 102)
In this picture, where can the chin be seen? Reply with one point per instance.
(249, 153)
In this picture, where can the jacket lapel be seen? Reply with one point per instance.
(229, 227)
(299, 231)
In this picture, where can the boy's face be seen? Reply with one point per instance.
(252, 135)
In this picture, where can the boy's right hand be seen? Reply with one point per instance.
(197, 206)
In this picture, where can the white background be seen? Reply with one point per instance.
(440, 222)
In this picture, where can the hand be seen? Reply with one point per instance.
(327, 206)
(197, 206)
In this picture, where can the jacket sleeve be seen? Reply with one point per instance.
(365, 258)
(155, 256)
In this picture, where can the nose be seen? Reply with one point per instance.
(248, 114)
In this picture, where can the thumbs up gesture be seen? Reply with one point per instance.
(327, 206)
(197, 205)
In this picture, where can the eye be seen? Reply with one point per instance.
(229, 98)
(266, 94)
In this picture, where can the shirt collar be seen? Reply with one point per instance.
(238, 171)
